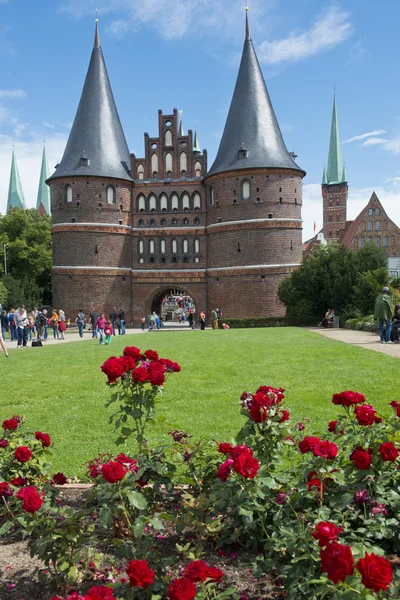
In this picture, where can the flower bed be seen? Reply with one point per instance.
(317, 516)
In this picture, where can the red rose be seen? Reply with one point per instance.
(266, 389)
(23, 454)
(5, 489)
(113, 368)
(361, 458)
(156, 377)
(308, 443)
(260, 404)
(181, 589)
(60, 479)
(128, 362)
(18, 481)
(285, 416)
(237, 450)
(140, 374)
(326, 532)
(140, 574)
(130, 462)
(10, 424)
(151, 355)
(388, 452)
(348, 398)
(225, 448)
(365, 414)
(133, 352)
(376, 572)
(4, 443)
(336, 561)
(198, 571)
(171, 366)
(99, 592)
(394, 404)
(326, 449)
(113, 471)
(316, 483)
(31, 499)
(247, 466)
(224, 470)
(44, 438)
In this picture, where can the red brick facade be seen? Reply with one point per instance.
(334, 198)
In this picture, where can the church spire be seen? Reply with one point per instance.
(247, 22)
(252, 137)
(334, 172)
(15, 194)
(181, 132)
(96, 33)
(196, 145)
(43, 197)
(96, 145)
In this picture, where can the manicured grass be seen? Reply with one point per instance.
(61, 390)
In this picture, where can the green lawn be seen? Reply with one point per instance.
(61, 390)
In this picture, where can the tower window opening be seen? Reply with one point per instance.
(78, 204)
(121, 207)
(238, 247)
(110, 194)
(141, 247)
(152, 259)
(96, 250)
(280, 200)
(73, 220)
(269, 215)
(68, 193)
(245, 188)
(120, 222)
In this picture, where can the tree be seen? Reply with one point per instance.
(3, 293)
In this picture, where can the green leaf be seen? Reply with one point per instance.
(73, 573)
(136, 500)
(126, 431)
(106, 517)
(138, 529)
(6, 527)
(157, 523)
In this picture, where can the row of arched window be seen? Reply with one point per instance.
(371, 212)
(377, 241)
(330, 217)
(370, 225)
(174, 259)
(245, 193)
(111, 196)
(168, 166)
(163, 204)
(164, 223)
(173, 245)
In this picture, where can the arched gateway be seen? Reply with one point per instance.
(173, 304)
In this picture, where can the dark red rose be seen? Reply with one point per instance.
(151, 355)
(365, 414)
(114, 369)
(4, 443)
(170, 365)
(23, 454)
(5, 489)
(140, 374)
(376, 572)
(113, 471)
(332, 426)
(312, 475)
(99, 592)
(285, 416)
(182, 589)
(278, 392)
(308, 443)
(225, 448)
(361, 497)
(128, 362)
(394, 404)
(174, 367)
(44, 438)
(10, 424)
(388, 452)
(128, 462)
(281, 498)
(18, 481)
(361, 458)
(247, 466)
(156, 377)
(378, 509)
(300, 426)
(140, 574)
(199, 571)
(237, 450)
(224, 470)
(326, 532)
(60, 479)
(133, 352)
(325, 449)
(317, 484)
(336, 561)
(31, 499)
(398, 411)
(94, 471)
(348, 398)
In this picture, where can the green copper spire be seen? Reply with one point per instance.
(15, 194)
(334, 172)
(43, 197)
(196, 145)
(324, 179)
(344, 178)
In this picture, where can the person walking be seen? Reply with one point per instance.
(101, 324)
(31, 326)
(21, 320)
(202, 320)
(54, 323)
(11, 324)
(40, 324)
(214, 319)
(61, 324)
(114, 319)
(395, 324)
(108, 331)
(142, 323)
(94, 315)
(4, 324)
(383, 312)
(121, 317)
(81, 322)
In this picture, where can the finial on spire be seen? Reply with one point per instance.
(246, 8)
(181, 132)
(96, 35)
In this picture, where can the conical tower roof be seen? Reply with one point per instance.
(96, 133)
(43, 197)
(334, 172)
(251, 126)
(15, 194)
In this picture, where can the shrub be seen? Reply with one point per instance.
(254, 322)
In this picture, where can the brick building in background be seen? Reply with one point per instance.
(127, 231)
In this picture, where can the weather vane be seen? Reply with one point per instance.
(97, 19)
(246, 7)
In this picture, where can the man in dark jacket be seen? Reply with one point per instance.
(94, 315)
(121, 317)
(384, 312)
(114, 319)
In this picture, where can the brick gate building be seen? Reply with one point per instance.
(126, 230)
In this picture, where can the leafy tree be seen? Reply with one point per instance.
(3, 293)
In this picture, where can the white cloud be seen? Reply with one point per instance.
(389, 145)
(358, 52)
(362, 136)
(329, 30)
(13, 94)
(49, 125)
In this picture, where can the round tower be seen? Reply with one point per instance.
(254, 200)
(90, 194)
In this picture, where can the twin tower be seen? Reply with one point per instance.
(127, 231)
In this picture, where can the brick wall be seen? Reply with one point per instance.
(334, 198)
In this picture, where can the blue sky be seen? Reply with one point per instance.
(185, 54)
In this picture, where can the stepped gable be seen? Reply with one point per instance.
(252, 137)
(96, 145)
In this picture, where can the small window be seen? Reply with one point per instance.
(110, 195)
(197, 169)
(212, 201)
(196, 221)
(164, 202)
(245, 189)
(152, 259)
(152, 203)
(369, 226)
(196, 201)
(330, 201)
(185, 221)
(185, 259)
(155, 175)
(141, 247)
(185, 202)
(73, 220)
(162, 246)
(197, 246)
(386, 241)
(163, 259)
(362, 241)
(175, 202)
(370, 241)
(174, 259)
(151, 246)
(370, 212)
(163, 222)
(174, 221)
(377, 240)
(338, 202)
(197, 259)
(330, 233)
(377, 225)
(168, 162)
(185, 246)
(154, 163)
(183, 162)
(168, 138)
(152, 223)
(68, 193)
(174, 246)
(140, 222)
(330, 217)
(337, 232)
(142, 203)
(377, 212)
(141, 260)
(140, 172)
(337, 216)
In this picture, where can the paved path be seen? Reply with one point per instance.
(364, 339)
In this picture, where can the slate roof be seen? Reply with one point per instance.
(97, 131)
(251, 124)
